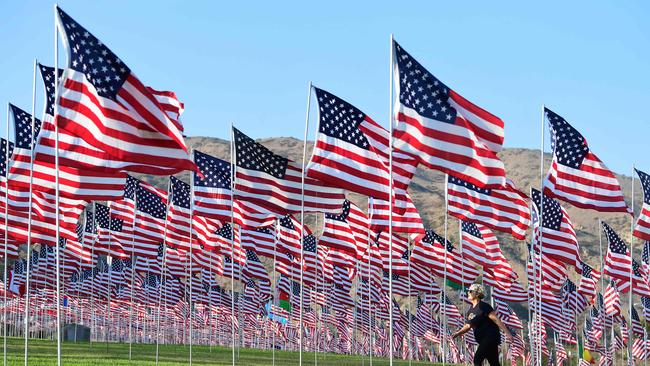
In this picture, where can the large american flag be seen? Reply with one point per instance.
(552, 223)
(350, 152)
(83, 184)
(212, 187)
(504, 209)
(105, 104)
(642, 228)
(274, 182)
(43, 195)
(444, 130)
(577, 175)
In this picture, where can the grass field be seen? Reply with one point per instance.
(42, 352)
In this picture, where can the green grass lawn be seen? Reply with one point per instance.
(43, 352)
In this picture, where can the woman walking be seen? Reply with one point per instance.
(482, 318)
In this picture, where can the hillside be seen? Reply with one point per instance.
(427, 190)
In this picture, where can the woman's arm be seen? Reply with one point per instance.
(462, 331)
(493, 316)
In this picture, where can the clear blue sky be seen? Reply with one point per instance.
(250, 62)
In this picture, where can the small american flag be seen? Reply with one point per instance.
(150, 226)
(97, 80)
(642, 228)
(617, 260)
(612, 299)
(347, 231)
(558, 237)
(212, 187)
(577, 175)
(444, 130)
(503, 209)
(254, 267)
(588, 280)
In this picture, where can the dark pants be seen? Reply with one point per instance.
(487, 351)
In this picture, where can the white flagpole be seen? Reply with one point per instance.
(275, 286)
(370, 327)
(162, 270)
(56, 175)
(233, 168)
(29, 213)
(190, 276)
(629, 331)
(602, 283)
(93, 324)
(6, 242)
(302, 223)
(541, 241)
(443, 302)
(133, 262)
(390, 208)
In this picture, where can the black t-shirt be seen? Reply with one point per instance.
(485, 330)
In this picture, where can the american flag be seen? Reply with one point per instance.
(261, 240)
(150, 226)
(100, 94)
(347, 157)
(574, 301)
(577, 175)
(82, 184)
(444, 260)
(209, 258)
(503, 209)
(444, 130)
(637, 327)
(618, 262)
(479, 244)
(229, 240)
(212, 187)
(552, 272)
(310, 260)
(558, 238)
(507, 316)
(588, 280)
(612, 300)
(124, 209)
(274, 182)
(639, 279)
(347, 231)
(43, 204)
(181, 216)
(254, 267)
(641, 346)
(106, 227)
(289, 236)
(642, 228)
(251, 216)
(409, 221)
